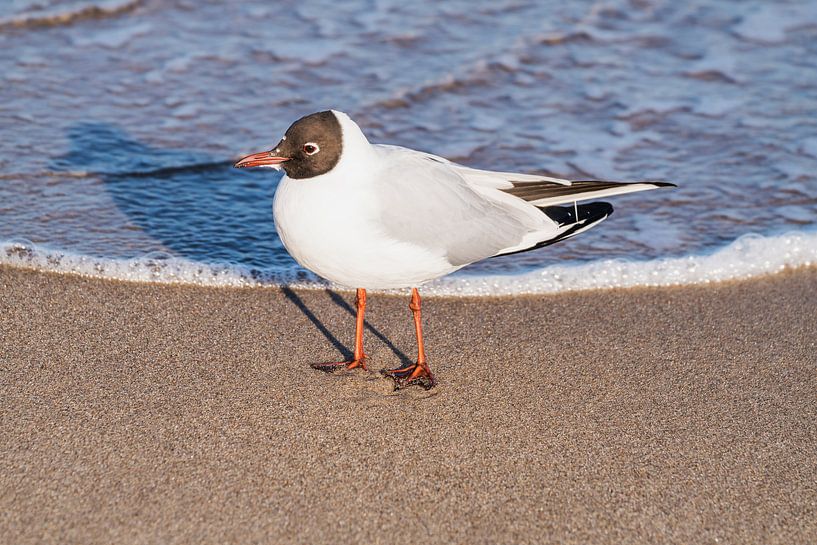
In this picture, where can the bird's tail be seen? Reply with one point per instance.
(571, 220)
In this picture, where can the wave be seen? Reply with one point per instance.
(749, 256)
(64, 16)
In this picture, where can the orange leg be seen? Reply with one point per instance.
(359, 359)
(416, 373)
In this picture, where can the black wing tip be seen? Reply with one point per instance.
(656, 184)
(588, 213)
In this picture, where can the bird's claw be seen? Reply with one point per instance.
(411, 374)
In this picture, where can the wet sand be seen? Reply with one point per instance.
(134, 413)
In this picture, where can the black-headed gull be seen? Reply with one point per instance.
(373, 216)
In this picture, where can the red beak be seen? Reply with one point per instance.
(262, 159)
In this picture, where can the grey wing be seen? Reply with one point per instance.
(540, 190)
(428, 203)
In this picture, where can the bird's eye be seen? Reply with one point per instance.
(311, 148)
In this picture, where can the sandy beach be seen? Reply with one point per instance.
(135, 413)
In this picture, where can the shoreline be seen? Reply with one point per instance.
(745, 258)
(145, 412)
(405, 292)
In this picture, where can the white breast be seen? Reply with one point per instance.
(330, 225)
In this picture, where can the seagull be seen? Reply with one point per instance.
(374, 216)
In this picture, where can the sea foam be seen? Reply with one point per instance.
(748, 256)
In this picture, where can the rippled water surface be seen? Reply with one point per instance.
(120, 119)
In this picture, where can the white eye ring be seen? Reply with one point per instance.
(311, 148)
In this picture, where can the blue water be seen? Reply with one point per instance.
(120, 119)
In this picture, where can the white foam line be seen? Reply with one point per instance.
(155, 267)
(749, 256)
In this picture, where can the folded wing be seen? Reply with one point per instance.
(470, 214)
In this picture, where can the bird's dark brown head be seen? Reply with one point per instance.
(310, 147)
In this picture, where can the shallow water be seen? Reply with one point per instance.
(120, 121)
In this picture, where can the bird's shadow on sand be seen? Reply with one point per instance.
(197, 206)
(338, 299)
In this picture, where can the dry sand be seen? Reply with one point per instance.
(145, 414)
